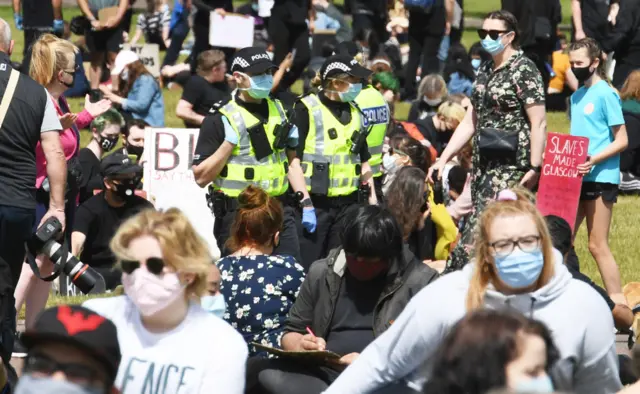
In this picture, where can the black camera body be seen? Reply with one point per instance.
(44, 242)
(438, 188)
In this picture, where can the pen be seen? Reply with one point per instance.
(311, 332)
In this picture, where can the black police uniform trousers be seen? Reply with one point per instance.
(289, 244)
(330, 218)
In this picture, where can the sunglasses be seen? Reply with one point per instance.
(41, 365)
(393, 151)
(494, 34)
(75, 70)
(155, 265)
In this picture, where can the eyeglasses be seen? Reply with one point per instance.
(494, 34)
(75, 70)
(155, 265)
(393, 151)
(505, 247)
(42, 366)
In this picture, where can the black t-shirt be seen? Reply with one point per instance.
(370, 7)
(594, 18)
(204, 8)
(37, 14)
(439, 139)
(341, 111)
(420, 110)
(202, 95)
(212, 129)
(91, 178)
(292, 11)
(98, 221)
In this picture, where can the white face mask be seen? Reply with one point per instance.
(124, 75)
(432, 102)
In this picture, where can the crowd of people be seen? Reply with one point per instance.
(359, 252)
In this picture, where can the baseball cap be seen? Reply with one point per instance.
(252, 60)
(339, 64)
(118, 164)
(123, 59)
(347, 48)
(79, 327)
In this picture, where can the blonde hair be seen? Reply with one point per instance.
(452, 111)
(182, 248)
(433, 83)
(51, 54)
(485, 272)
(317, 80)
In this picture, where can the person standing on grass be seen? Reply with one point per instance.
(36, 17)
(596, 113)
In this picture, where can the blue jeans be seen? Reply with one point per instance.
(15, 229)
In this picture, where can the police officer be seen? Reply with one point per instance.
(377, 115)
(249, 141)
(334, 152)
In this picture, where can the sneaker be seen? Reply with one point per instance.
(629, 183)
(19, 351)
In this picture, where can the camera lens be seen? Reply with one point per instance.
(80, 274)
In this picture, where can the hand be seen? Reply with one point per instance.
(96, 25)
(67, 120)
(466, 103)
(349, 358)
(438, 265)
(112, 22)
(585, 168)
(438, 166)
(98, 108)
(58, 26)
(221, 12)
(424, 217)
(580, 35)
(309, 220)
(613, 13)
(287, 62)
(311, 343)
(17, 19)
(108, 94)
(530, 179)
(167, 43)
(57, 213)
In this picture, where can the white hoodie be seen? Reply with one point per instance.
(580, 322)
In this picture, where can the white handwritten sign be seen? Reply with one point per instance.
(231, 31)
(149, 55)
(169, 181)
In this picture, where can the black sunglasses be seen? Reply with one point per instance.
(155, 265)
(494, 34)
(75, 70)
(39, 364)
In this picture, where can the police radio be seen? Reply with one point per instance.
(358, 139)
(281, 134)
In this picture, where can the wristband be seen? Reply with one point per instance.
(306, 203)
(536, 169)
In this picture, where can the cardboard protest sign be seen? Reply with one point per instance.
(231, 31)
(149, 56)
(169, 181)
(560, 182)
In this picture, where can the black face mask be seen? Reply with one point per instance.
(582, 73)
(69, 85)
(126, 188)
(135, 150)
(108, 144)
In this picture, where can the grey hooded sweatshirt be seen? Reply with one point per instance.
(580, 322)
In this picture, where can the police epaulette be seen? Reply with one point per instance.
(217, 106)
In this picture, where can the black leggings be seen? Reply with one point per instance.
(287, 37)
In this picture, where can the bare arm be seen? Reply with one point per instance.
(449, 7)
(618, 145)
(16, 6)
(538, 119)
(296, 175)
(576, 12)
(209, 169)
(56, 168)
(57, 9)
(184, 111)
(77, 243)
(461, 136)
(122, 9)
(84, 7)
(136, 36)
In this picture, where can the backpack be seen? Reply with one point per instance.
(419, 5)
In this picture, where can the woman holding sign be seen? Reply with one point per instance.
(506, 122)
(596, 113)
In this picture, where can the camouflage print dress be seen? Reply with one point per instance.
(499, 98)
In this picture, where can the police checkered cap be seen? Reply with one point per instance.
(252, 60)
(342, 64)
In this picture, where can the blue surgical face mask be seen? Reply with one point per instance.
(475, 63)
(541, 384)
(351, 93)
(389, 163)
(31, 385)
(214, 304)
(520, 269)
(260, 86)
(494, 47)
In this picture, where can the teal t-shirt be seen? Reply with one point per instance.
(594, 111)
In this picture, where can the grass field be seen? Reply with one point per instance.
(625, 212)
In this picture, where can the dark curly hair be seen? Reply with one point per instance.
(474, 356)
(406, 196)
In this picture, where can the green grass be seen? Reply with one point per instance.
(625, 212)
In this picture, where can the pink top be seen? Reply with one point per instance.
(68, 139)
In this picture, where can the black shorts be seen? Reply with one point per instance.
(592, 190)
(104, 40)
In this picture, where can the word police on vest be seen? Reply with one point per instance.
(44, 242)
(376, 115)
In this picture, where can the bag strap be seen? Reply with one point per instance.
(8, 94)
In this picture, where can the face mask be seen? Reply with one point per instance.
(520, 269)
(124, 75)
(255, 7)
(432, 102)
(126, 189)
(365, 270)
(260, 86)
(475, 63)
(494, 47)
(108, 143)
(541, 384)
(351, 93)
(214, 304)
(68, 85)
(582, 73)
(31, 385)
(135, 150)
(151, 293)
(389, 163)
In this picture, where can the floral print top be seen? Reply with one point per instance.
(259, 291)
(500, 98)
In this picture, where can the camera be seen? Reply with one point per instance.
(438, 189)
(44, 242)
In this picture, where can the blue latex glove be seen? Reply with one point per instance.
(309, 221)
(443, 51)
(230, 134)
(17, 18)
(294, 135)
(58, 26)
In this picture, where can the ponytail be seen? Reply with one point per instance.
(49, 55)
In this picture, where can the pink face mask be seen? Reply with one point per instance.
(152, 293)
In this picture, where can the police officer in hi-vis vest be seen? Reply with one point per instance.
(376, 114)
(334, 153)
(250, 141)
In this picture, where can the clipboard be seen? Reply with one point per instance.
(231, 31)
(107, 13)
(313, 355)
